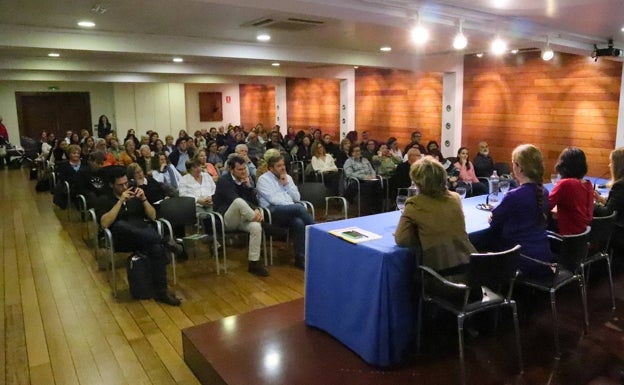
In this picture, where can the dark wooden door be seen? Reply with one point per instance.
(53, 112)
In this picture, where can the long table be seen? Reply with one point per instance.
(363, 294)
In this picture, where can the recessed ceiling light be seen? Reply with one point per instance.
(479, 55)
(385, 49)
(514, 51)
(263, 37)
(54, 54)
(499, 46)
(178, 60)
(86, 24)
(275, 64)
(622, 29)
(356, 67)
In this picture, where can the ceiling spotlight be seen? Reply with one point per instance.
(178, 60)
(385, 49)
(54, 54)
(460, 41)
(479, 55)
(86, 24)
(275, 64)
(499, 46)
(263, 37)
(420, 34)
(547, 52)
(514, 51)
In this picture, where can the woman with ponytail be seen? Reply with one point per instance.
(521, 217)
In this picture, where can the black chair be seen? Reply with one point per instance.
(550, 277)
(486, 272)
(317, 194)
(181, 211)
(502, 169)
(600, 248)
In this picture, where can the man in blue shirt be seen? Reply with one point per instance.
(278, 193)
(180, 155)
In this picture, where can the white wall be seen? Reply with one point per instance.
(100, 95)
(231, 111)
(150, 106)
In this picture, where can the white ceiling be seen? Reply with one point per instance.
(216, 36)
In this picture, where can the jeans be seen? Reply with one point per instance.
(296, 218)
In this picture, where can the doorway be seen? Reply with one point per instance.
(54, 112)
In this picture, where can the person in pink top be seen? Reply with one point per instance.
(572, 196)
(467, 173)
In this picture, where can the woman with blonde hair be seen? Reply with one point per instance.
(615, 201)
(521, 218)
(324, 163)
(434, 219)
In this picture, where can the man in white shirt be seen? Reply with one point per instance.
(277, 192)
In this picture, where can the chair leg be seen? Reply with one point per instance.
(419, 314)
(517, 331)
(553, 306)
(460, 337)
(611, 283)
(584, 301)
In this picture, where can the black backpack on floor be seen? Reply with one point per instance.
(139, 276)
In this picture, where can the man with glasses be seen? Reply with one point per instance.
(124, 211)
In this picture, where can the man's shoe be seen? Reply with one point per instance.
(174, 247)
(257, 268)
(169, 299)
(300, 263)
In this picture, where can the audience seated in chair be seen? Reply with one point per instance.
(68, 172)
(154, 191)
(123, 211)
(483, 162)
(237, 201)
(278, 193)
(167, 174)
(359, 168)
(467, 173)
(615, 201)
(323, 164)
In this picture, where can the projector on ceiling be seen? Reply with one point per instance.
(610, 51)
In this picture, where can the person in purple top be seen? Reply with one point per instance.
(521, 217)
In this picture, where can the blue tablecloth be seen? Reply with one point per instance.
(364, 294)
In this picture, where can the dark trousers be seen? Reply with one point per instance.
(295, 217)
(140, 237)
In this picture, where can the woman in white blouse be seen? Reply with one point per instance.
(323, 162)
(199, 185)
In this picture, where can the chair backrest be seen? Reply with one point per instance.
(502, 168)
(493, 269)
(574, 249)
(314, 192)
(600, 234)
(180, 211)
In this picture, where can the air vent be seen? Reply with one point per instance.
(285, 23)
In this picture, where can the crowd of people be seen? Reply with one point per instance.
(237, 173)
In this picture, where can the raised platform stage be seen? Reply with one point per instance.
(273, 346)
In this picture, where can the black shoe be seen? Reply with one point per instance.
(257, 268)
(300, 263)
(169, 299)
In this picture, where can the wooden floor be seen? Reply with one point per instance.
(61, 324)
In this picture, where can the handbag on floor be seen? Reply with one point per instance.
(139, 276)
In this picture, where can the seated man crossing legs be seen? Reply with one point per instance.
(278, 193)
(236, 200)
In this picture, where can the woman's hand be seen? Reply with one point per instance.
(599, 198)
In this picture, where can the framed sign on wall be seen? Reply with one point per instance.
(210, 107)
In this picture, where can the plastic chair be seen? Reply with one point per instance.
(486, 272)
(502, 169)
(550, 277)
(600, 248)
(181, 211)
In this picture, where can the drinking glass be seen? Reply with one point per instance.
(504, 186)
(554, 178)
(400, 202)
(461, 191)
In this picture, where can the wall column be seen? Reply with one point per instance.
(347, 105)
(281, 105)
(619, 136)
(452, 108)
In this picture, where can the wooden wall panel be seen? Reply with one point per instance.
(314, 103)
(570, 100)
(395, 103)
(257, 105)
